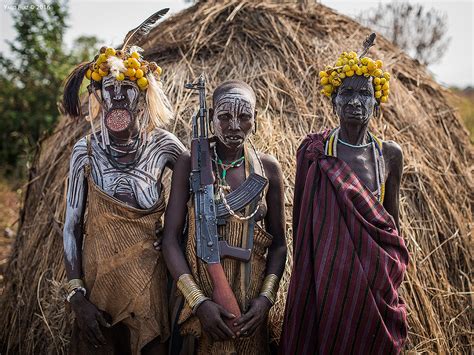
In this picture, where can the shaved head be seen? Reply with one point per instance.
(234, 86)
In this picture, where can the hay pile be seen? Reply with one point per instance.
(279, 50)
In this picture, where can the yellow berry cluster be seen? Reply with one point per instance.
(136, 67)
(347, 65)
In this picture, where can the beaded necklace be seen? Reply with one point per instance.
(331, 150)
(235, 164)
(353, 145)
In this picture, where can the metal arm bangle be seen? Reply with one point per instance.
(270, 287)
(72, 284)
(190, 290)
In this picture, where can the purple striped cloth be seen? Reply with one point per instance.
(349, 261)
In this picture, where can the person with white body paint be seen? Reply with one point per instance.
(117, 284)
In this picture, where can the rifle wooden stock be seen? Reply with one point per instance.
(222, 294)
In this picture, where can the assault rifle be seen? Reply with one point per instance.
(207, 215)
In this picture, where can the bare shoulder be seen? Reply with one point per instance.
(271, 165)
(393, 150)
(183, 162)
(185, 157)
(393, 154)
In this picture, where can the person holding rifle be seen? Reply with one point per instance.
(235, 247)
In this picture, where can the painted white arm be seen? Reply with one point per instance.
(75, 208)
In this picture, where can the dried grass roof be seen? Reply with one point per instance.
(279, 50)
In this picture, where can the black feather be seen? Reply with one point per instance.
(135, 36)
(369, 42)
(71, 103)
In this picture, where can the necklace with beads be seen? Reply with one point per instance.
(227, 166)
(376, 144)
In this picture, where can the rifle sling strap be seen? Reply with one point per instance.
(248, 237)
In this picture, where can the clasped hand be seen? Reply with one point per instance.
(212, 317)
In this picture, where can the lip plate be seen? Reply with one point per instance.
(110, 123)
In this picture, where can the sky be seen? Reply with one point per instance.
(454, 69)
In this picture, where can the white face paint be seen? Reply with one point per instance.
(234, 116)
(119, 94)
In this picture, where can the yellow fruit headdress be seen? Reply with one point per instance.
(350, 64)
(124, 64)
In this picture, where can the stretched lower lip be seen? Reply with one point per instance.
(118, 120)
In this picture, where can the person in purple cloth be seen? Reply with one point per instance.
(349, 257)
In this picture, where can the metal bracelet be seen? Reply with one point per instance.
(72, 284)
(270, 287)
(73, 292)
(190, 290)
(199, 302)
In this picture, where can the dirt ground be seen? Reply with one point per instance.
(9, 211)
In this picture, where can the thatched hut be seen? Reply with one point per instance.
(278, 49)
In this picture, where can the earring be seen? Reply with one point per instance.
(377, 111)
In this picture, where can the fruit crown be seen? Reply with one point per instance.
(349, 64)
(130, 65)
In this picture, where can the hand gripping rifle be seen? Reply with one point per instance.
(208, 247)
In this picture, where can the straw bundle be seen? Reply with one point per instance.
(278, 49)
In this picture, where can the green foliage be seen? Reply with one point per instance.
(31, 74)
